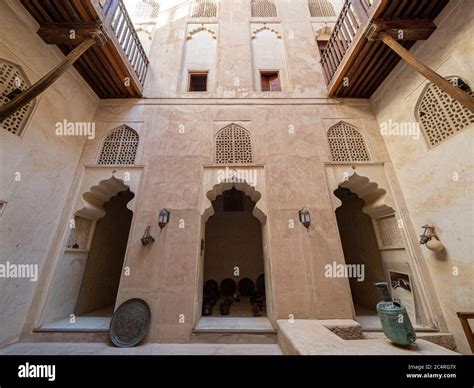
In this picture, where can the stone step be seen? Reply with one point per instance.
(234, 338)
(259, 325)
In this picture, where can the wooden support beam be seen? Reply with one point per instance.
(446, 86)
(72, 33)
(45, 82)
(411, 29)
(463, 317)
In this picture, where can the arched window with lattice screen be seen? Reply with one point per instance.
(233, 145)
(204, 8)
(146, 9)
(14, 81)
(321, 8)
(347, 144)
(119, 147)
(440, 116)
(264, 9)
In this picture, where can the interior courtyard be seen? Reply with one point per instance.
(247, 170)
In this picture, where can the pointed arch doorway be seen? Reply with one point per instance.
(85, 282)
(374, 235)
(233, 258)
(234, 261)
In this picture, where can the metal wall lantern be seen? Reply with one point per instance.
(163, 218)
(305, 217)
(430, 239)
(147, 237)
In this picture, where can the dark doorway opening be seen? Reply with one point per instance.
(100, 282)
(233, 259)
(359, 243)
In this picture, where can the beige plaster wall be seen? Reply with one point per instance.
(47, 162)
(268, 54)
(234, 60)
(177, 130)
(177, 140)
(200, 55)
(426, 175)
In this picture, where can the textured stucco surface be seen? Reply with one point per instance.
(174, 170)
(426, 175)
(46, 162)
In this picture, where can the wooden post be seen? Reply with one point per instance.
(463, 317)
(446, 86)
(45, 82)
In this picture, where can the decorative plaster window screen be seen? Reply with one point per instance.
(347, 144)
(233, 145)
(263, 9)
(389, 232)
(204, 8)
(321, 8)
(440, 115)
(13, 81)
(146, 9)
(120, 147)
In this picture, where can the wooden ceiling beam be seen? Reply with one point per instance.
(412, 29)
(72, 33)
(446, 86)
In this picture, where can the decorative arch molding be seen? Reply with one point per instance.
(249, 179)
(370, 192)
(201, 29)
(99, 185)
(98, 195)
(376, 184)
(265, 28)
(369, 181)
(240, 185)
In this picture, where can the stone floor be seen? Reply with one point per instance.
(243, 308)
(42, 348)
(94, 321)
(81, 324)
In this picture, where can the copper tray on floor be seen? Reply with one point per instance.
(130, 323)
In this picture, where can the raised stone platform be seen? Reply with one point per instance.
(316, 337)
(81, 324)
(234, 325)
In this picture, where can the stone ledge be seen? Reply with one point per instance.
(446, 340)
(346, 329)
(313, 337)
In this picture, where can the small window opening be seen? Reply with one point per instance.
(197, 82)
(270, 81)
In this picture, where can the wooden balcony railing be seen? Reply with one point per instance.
(116, 16)
(358, 56)
(114, 67)
(349, 28)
